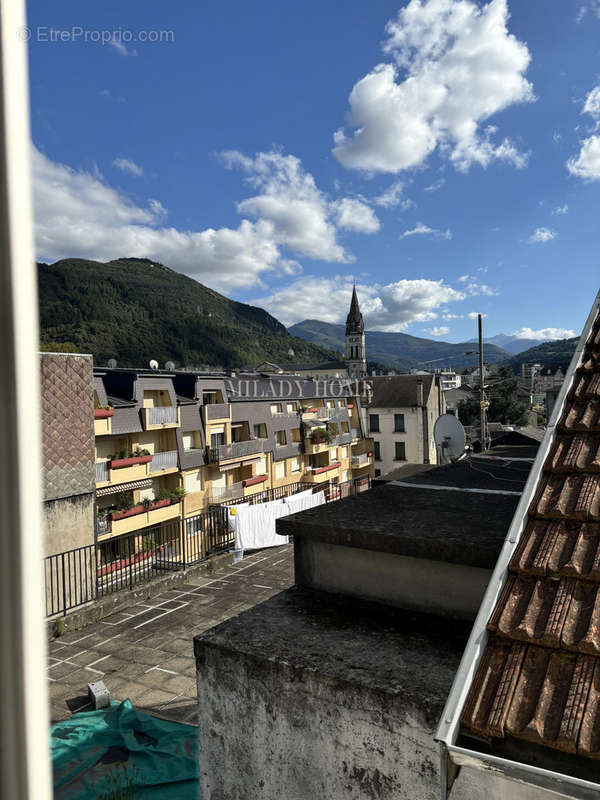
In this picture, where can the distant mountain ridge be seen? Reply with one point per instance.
(134, 309)
(399, 350)
(551, 355)
(513, 344)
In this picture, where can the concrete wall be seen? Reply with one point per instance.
(270, 732)
(69, 523)
(434, 587)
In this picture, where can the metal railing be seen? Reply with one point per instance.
(101, 470)
(80, 576)
(161, 415)
(218, 494)
(361, 460)
(165, 460)
(223, 452)
(276, 493)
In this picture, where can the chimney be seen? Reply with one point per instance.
(420, 395)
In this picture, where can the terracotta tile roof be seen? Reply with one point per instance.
(539, 677)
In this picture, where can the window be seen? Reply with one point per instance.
(342, 403)
(216, 439)
(261, 466)
(377, 451)
(279, 470)
(345, 427)
(193, 481)
(377, 473)
(400, 451)
(191, 441)
(280, 438)
(329, 404)
(295, 434)
(291, 408)
(344, 452)
(399, 423)
(276, 408)
(374, 423)
(295, 465)
(260, 431)
(333, 454)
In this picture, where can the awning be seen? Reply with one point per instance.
(124, 487)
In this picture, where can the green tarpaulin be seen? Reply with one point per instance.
(119, 753)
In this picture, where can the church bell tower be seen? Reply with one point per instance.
(356, 360)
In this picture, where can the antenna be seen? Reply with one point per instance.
(450, 438)
(154, 364)
(112, 363)
(169, 366)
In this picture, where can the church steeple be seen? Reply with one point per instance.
(354, 320)
(356, 360)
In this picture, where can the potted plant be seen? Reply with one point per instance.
(128, 458)
(319, 436)
(104, 413)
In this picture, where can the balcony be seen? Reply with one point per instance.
(313, 447)
(164, 461)
(103, 421)
(123, 470)
(218, 494)
(160, 417)
(342, 439)
(139, 517)
(323, 474)
(365, 445)
(216, 412)
(235, 450)
(362, 460)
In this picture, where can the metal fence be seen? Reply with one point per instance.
(79, 576)
(165, 460)
(161, 415)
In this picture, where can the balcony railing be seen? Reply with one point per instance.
(224, 452)
(101, 469)
(219, 494)
(166, 460)
(162, 415)
(217, 411)
(361, 461)
(343, 438)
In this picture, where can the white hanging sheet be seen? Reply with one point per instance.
(255, 525)
(303, 500)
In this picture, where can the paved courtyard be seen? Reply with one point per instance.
(145, 652)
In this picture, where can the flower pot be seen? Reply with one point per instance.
(254, 481)
(140, 508)
(119, 463)
(103, 413)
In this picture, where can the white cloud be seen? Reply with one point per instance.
(581, 14)
(475, 314)
(354, 215)
(79, 215)
(560, 210)
(434, 187)
(542, 235)
(464, 278)
(456, 65)
(121, 48)
(421, 229)
(474, 288)
(441, 330)
(544, 334)
(392, 307)
(452, 316)
(587, 164)
(393, 197)
(126, 165)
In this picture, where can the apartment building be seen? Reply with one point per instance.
(400, 416)
(168, 445)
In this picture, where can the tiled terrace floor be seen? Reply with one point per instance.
(145, 652)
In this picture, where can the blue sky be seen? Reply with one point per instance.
(442, 153)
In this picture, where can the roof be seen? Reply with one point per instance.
(323, 365)
(539, 677)
(354, 320)
(399, 391)
(420, 520)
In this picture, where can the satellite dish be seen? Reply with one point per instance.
(154, 364)
(450, 438)
(170, 366)
(112, 363)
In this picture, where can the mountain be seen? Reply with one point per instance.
(133, 310)
(551, 355)
(512, 344)
(398, 350)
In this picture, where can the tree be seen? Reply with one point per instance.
(505, 406)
